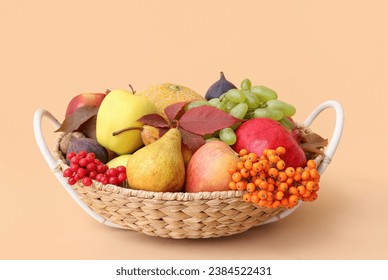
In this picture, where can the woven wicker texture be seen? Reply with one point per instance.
(171, 215)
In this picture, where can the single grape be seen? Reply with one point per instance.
(212, 139)
(214, 102)
(252, 100)
(196, 103)
(229, 105)
(235, 96)
(239, 111)
(228, 136)
(261, 113)
(286, 123)
(264, 93)
(222, 107)
(287, 109)
(246, 84)
(267, 113)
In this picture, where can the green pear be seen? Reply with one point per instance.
(117, 128)
(159, 166)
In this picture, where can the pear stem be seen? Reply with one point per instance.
(126, 129)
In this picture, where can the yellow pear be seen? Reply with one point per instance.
(158, 166)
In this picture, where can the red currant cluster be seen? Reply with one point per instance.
(85, 167)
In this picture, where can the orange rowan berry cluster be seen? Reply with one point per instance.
(267, 182)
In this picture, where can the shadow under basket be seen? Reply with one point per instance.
(174, 214)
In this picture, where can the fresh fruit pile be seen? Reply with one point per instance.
(168, 138)
(267, 181)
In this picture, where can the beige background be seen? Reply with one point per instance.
(308, 51)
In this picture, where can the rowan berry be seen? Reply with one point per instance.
(248, 164)
(262, 203)
(255, 198)
(243, 152)
(247, 197)
(311, 164)
(310, 185)
(280, 164)
(262, 194)
(280, 150)
(232, 169)
(251, 187)
(305, 175)
(283, 187)
(241, 185)
(290, 171)
(240, 165)
(252, 157)
(293, 200)
(244, 172)
(282, 177)
(236, 177)
(279, 195)
(273, 172)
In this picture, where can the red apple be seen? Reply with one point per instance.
(84, 99)
(207, 170)
(257, 134)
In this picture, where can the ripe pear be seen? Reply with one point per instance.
(159, 166)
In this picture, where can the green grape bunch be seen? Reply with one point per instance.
(249, 102)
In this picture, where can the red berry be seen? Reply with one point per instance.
(104, 180)
(99, 177)
(91, 156)
(87, 181)
(71, 181)
(68, 172)
(74, 159)
(91, 166)
(82, 154)
(121, 169)
(111, 172)
(83, 162)
(122, 177)
(81, 172)
(97, 161)
(114, 181)
(77, 177)
(100, 169)
(74, 167)
(92, 174)
(70, 155)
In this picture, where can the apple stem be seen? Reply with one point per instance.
(126, 129)
(133, 91)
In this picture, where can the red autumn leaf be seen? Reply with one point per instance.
(154, 120)
(175, 111)
(206, 119)
(193, 141)
(79, 117)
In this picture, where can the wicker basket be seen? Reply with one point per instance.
(174, 215)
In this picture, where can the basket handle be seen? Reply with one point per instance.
(331, 147)
(337, 133)
(53, 164)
